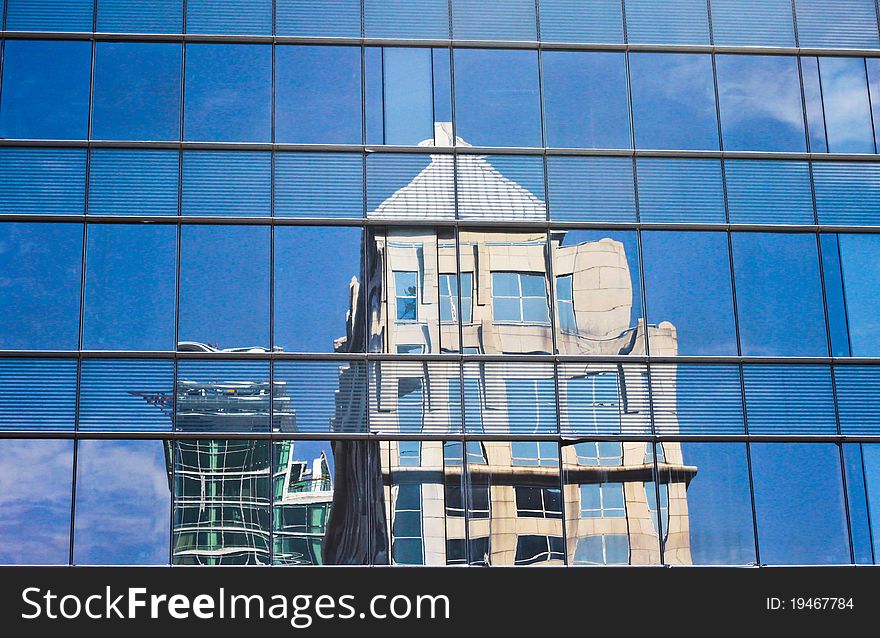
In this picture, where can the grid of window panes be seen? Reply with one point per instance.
(653, 269)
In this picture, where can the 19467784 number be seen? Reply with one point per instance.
(815, 603)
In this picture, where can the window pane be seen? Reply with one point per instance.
(799, 504)
(679, 22)
(413, 397)
(494, 20)
(789, 399)
(330, 18)
(224, 286)
(687, 283)
(40, 275)
(591, 189)
(319, 185)
(873, 67)
(133, 182)
(863, 488)
(318, 95)
(406, 18)
(847, 109)
(121, 312)
(137, 91)
(835, 304)
(576, 21)
(696, 399)
(229, 16)
(42, 180)
(49, 15)
(761, 108)
(846, 23)
(760, 191)
(604, 399)
(752, 22)
(847, 192)
(141, 16)
(585, 99)
(673, 101)
(860, 265)
(680, 190)
(126, 395)
(857, 400)
(123, 503)
(306, 393)
(37, 77)
(778, 287)
(52, 408)
(496, 97)
(228, 93)
(223, 396)
(35, 527)
(233, 183)
(813, 103)
(410, 186)
(500, 187)
(314, 268)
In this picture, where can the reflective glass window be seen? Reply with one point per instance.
(768, 191)
(847, 193)
(779, 294)
(141, 16)
(236, 183)
(520, 297)
(494, 20)
(137, 91)
(228, 93)
(687, 283)
(49, 15)
(449, 297)
(860, 268)
(406, 19)
(591, 189)
(224, 396)
(123, 503)
(42, 181)
(126, 395)
(133, 182)
(330, 18)
(862, 462)
(224, 286)
(52, 408)
(585, 99)
(305, 395)
(752, 22)
(121, 313)
(799, 504)
(246, 17)
(319, 185)
(40, 275)
(38, 75)
(576, 21)
(35, 494)
(845, 23)
(760, 102)
(602, 549)
(678, 22)
(813, 104)
(846, 105)
(318, 95)
(497, 99)
(873, 68)
(696, 399)
(593, 405)
(680, 190)
(673, 97)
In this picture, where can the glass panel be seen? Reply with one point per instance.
(497, 99)
(813, 103)
(411, 186)
(768, 191)
(224, 287)
(228, 93)
(602, 398)
(413, 397)
(591, 189)
(680, 190)
(318, 95)
(512, 397)
(314, 269)
(494, 20)
(585, 99)
(42, 180)
(761, 108)
(227, 183)
(137, 91)
(860, 265)
(141, 16)
(679, 22)
(221, 495)
(246, 17)
(847, 192)
(847, 108)
(52, 407)
(49, 15)
(778, 287)
(320, 396)
(673, 101)
(873, 67)
(858, 403)
(607, 514)
(799, 504)
(862, 463)
(752, 22)
(328, 18)
(35, 527)
(123, 503)
(710, 518)
(846, 23)
(303, 480)
(224, 396)
(133, 182)
(39, 75)
(576, 21)
(126, 395)
(606, 290)
(696, 399)
(40, 275)
(835, 304)
(505, 187)
(687, 283)
(406, 18)
(121, 313)
(319, 185)
(789, 399)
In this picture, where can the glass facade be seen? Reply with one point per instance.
(447, 282)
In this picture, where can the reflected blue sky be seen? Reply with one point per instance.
(860, 262)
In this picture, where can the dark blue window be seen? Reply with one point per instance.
(140, 16)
